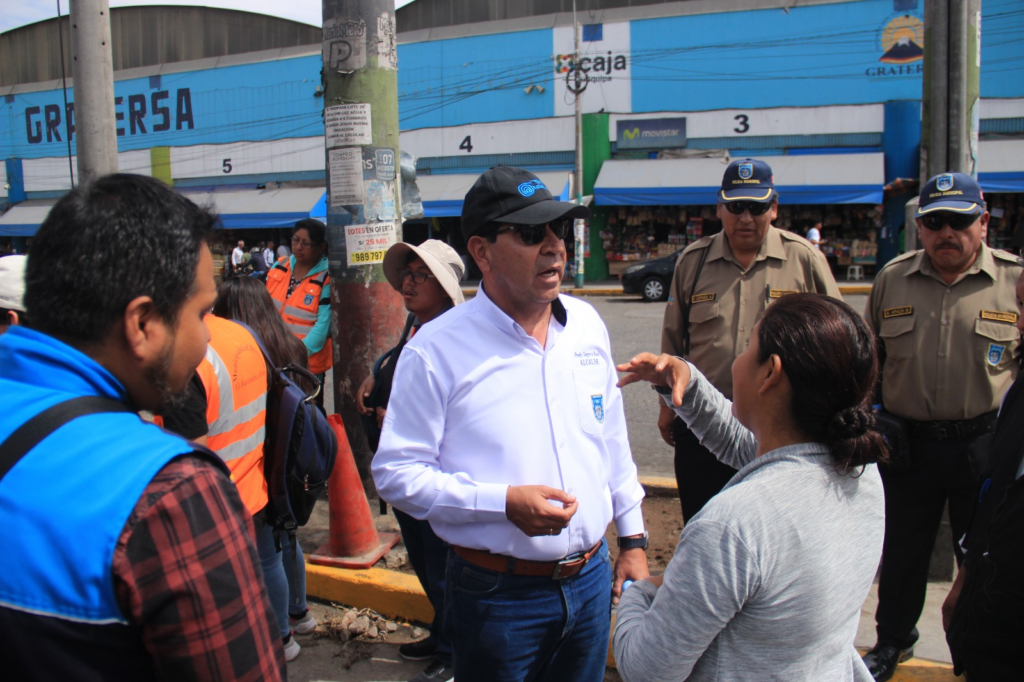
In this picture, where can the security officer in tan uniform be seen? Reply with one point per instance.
(723, 284)
(946, 318)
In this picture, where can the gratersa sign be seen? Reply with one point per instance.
(606, 62)
(135, 115)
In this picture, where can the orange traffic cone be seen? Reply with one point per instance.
(353, 541)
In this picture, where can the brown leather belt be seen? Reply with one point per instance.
(499, 563)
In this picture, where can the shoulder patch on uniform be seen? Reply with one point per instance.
(701, 298)
(999, 316)
(779, 293)
(898, 312)
(995, 354)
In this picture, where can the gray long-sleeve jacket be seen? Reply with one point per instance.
(768, 580)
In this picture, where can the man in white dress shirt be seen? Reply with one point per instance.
(506, 431)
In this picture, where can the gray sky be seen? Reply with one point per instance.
(15, 13)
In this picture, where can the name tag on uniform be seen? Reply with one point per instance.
(701, 298)
(998, 316)
(779, 293)
(898, 312)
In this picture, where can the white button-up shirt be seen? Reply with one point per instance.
(477, 406)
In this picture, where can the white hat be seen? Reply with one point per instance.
(443, 261)
(12, 282)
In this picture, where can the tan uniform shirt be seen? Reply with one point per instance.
(949, 348)
(728, 300)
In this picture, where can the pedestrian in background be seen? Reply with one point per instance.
(769, 578)
(945, 316)
(238, 257)
(506, 431)
(128, 553)
(721, 287)
(301, 288)
(428, 277)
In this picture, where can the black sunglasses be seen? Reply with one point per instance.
(535, 234)
(957, 221)
(755, 207)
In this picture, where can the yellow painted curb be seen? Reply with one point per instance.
(659, 486)
(855, 290)
(850, 290)
(389, 593)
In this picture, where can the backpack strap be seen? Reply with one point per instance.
(32, 432)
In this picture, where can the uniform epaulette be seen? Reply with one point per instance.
(899, 259)
(702, 243)
(999, 254)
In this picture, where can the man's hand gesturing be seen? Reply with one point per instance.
(528, 508)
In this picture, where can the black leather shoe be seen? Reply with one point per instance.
(418, 651)
(883, 659)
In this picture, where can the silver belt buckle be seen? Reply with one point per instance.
(571, 559)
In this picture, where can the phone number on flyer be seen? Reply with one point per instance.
(367, 257)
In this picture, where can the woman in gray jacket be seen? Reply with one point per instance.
(768, 580)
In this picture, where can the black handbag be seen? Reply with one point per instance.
(893, 430)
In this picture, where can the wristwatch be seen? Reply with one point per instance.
(633, 543)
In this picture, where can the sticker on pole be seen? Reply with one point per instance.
(345, 176)
(347, 125)
(344, 46)
(367, 244)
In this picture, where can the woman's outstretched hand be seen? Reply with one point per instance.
(661, 370)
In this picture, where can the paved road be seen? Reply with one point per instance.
(635, 326)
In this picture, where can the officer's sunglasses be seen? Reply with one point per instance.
(957, 221)
(535, 234)
(755, 207)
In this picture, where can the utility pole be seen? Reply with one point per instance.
(360, 80)
(579, 224)
(952, 61)
(92, 67)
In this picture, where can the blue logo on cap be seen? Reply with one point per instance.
(528, 188)
(746, 171)
(944, 182)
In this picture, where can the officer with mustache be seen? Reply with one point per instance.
(946, 319)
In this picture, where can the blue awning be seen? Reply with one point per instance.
(261, 208)
(443, 193)
(23, 219)
(1001, 182)
(821, 179)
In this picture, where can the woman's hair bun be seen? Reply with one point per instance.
(850, 423)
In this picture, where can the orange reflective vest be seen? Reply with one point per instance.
(234, 375)
(299, 311)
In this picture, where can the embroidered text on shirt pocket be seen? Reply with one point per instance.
(591, 397)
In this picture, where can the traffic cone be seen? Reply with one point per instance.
(354, 541)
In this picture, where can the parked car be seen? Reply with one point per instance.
(651, 279)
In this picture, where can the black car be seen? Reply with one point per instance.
(650, 279)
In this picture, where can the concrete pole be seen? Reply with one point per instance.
(360, 79)
(935, 110)
(92, 66)
(579, 231)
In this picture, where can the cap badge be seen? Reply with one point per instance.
(528, 188)
(944, 182)
(746, 171)
(598, 403)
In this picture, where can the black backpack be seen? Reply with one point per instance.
(299, 452)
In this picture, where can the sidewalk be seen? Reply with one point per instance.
(612, 287)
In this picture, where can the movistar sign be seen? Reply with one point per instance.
(651, 133)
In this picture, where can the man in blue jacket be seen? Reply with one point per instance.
(127, 552)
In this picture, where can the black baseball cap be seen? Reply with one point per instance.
(747, 180)
(513, 196)
(957, 192)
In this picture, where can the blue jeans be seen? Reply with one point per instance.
(296, 592)
(273, 575)
(511, 628)
(428, 555)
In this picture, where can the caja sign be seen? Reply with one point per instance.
(604, 60)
